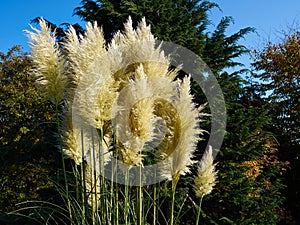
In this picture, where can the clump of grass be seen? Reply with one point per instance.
(119, 108)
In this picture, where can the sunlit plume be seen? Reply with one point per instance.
(48, 63)
(206, 176)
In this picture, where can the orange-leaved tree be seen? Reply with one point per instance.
(279, 66)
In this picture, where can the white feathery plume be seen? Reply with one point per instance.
(71, 137)
(138, 125)
(48, 64)
(95, 95)
(206, 176)
(72, 47)
(184, 134)
(85, 50)
(136, 47)
(134, 118)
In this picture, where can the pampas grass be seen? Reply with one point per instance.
(122, 99)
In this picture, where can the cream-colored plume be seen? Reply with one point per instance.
(48, 63)
(177, 150)
(206, 176)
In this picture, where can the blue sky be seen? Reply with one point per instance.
(15, 16)
(267, 16)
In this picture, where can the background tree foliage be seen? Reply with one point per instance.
(280, 83)
(27, 155)
(22, 110)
